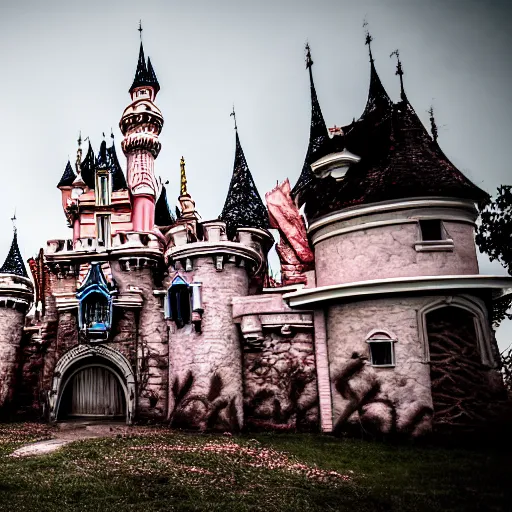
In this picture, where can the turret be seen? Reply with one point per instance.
(141, 124)
(210, 263)
(16, 298)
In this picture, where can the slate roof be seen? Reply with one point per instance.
(14, 264)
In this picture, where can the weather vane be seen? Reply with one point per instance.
(399, 71)
(368, 39)
(433, 125)
(234, 116)
(140, 29)
(309, 60)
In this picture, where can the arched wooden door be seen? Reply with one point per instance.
(96, 391)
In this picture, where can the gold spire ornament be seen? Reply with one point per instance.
(183, 187)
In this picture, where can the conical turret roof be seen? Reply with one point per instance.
(243, 206)
(399, 160)
(14, 264)
(145, 74)
(67, 177)
(320, 143)
(88, 167)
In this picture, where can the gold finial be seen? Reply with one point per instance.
(183, 187)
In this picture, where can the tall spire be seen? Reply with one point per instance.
(377, 96)
(183, 178)
(243, 206)
(87, 167)
(13, 264)
(145, 74)
(400, 72)
(318, 133)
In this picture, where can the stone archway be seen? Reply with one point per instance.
(85, 354)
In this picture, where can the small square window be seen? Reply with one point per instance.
(431, 229)
(382, 351)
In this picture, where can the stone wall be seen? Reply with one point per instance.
(378, 400)
(280, 384)
(11, 330)
(388, 251)
(146, 347)
(206, 367)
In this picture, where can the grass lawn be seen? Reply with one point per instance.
(156, 469)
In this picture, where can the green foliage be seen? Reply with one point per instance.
(493, 237)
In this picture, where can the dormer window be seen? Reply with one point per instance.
(103, 188)
(335, 165)
(95, 304)
(382, 350)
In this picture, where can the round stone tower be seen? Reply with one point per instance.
(16, 298)
(391, 221)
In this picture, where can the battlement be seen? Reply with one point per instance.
(122, 243)
(249, 244)
(16, 292)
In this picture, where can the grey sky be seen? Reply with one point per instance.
(67, 66)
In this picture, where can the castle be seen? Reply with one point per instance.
(381, 320)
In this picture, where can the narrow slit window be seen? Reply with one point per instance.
(382, 350)
(431, 229)
(103, 230)
(103, 189)
(179, 304)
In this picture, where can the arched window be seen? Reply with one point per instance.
(178, 301)
(382, 349)
(95, 311)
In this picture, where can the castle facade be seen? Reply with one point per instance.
(381, 321)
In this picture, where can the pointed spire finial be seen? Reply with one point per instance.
(234, 116)
(183, 182)
(140, 30)
(309, 60)
(111, 133)
(13, 220)
(399, 72)
(368, 39)
(433, 125)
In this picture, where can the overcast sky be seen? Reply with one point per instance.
(67, 67)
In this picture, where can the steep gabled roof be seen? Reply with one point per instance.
(243, 206)
(14, 264)
(163, 215)
(67, 177)
(145, 74)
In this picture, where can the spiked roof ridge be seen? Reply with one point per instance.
(14, 264)
(243, 206)
(67, 177)
(145, 74)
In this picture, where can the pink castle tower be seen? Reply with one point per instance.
(141, 125)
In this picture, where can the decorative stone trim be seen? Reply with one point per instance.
(391, 213)
(87, 353)
(388, 206)
(474, 306)
(500, 285)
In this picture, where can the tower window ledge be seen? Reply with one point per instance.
(434, 245)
